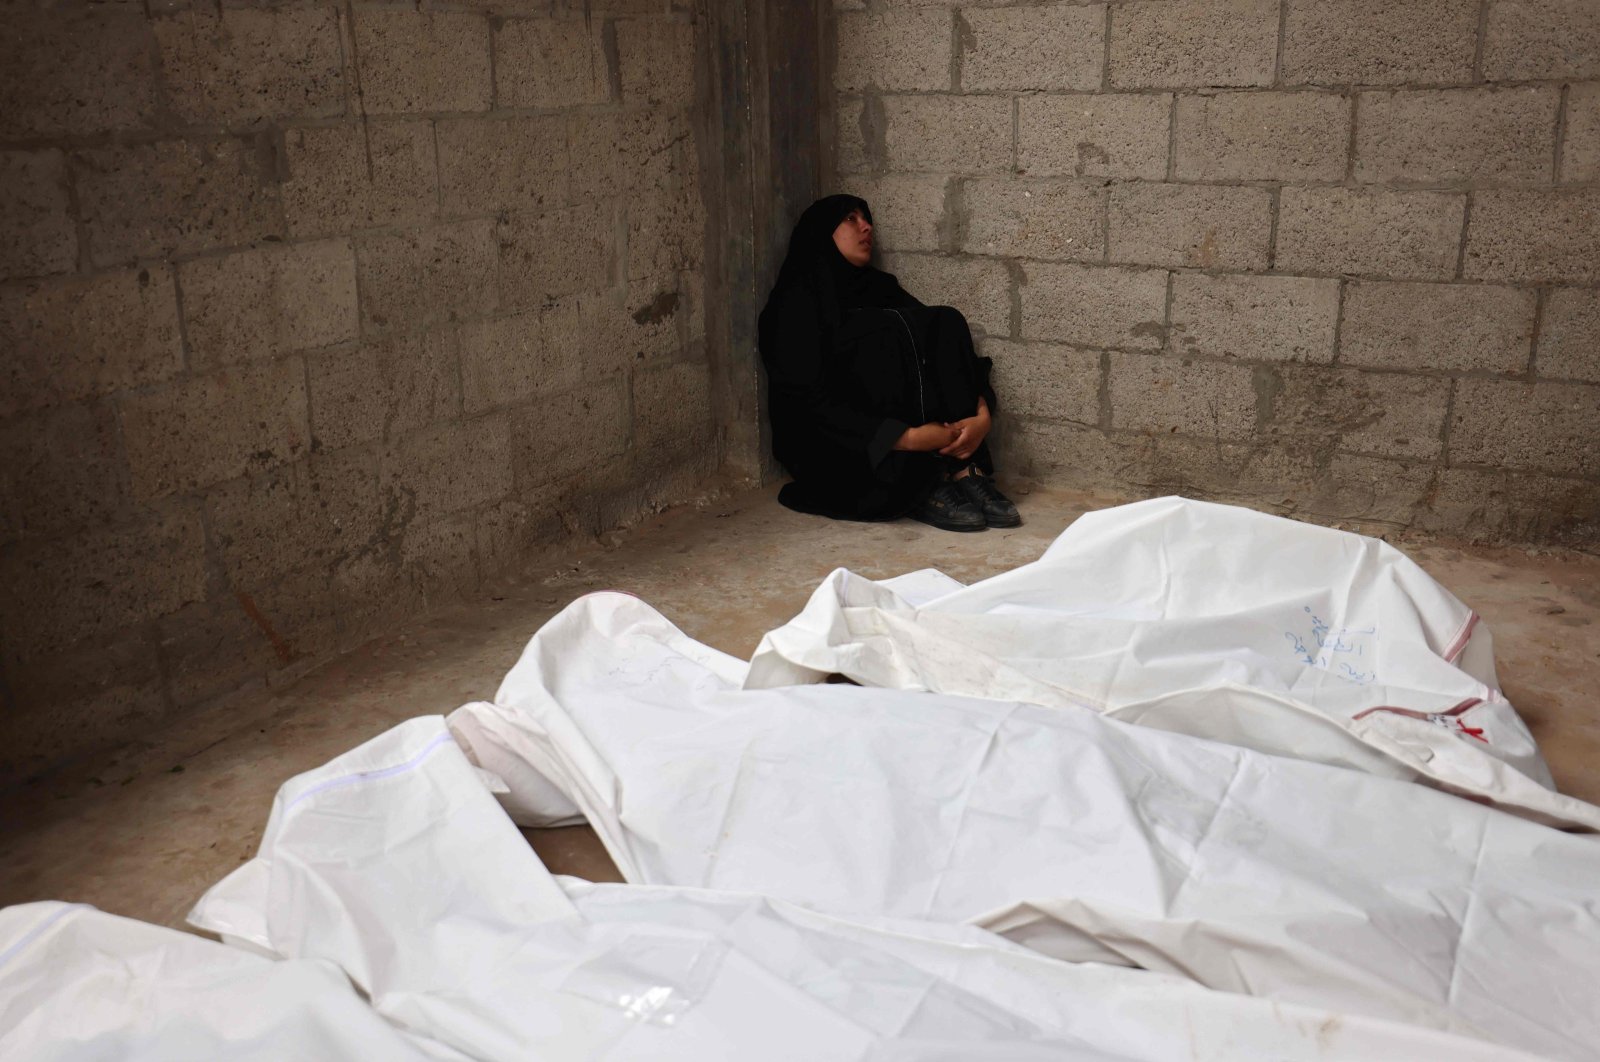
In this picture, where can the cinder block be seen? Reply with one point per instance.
(1156, 394)
(450, 467)
(176, 197)
(1535, 236)
(657, 62)
(1460, 327)
(1522, 507)
(1378, 42)
(692, 307)
(414, 279)
(1045, 380)
(298, 613)
(1262, 136)
(1569, 336)
(617, 327)
(1408, 235)
(1535, 40)
(37, 234)
(626, 151)
(352, 176)
(310, 513)
(1156, 463)
(258, 304)
(896, 50)
(1206, 226)
(667, 484)
(1095, 306)
(61, 470)
(192, 433)
(1357, 487)
(383, 389)
(227, 66)
(71, 338)
(544, 62)
(570, 435)
(75, 72)
(1548, 427)
(508, 532)
(316, 286)
(1071, 456)
(1325, 409)
(1444, 135)
(493, 164)
(508, 361)
(1193, 43)
(1117, 135)
(415, 63)
(61, 591)
(908, 210)
(948, 134)
(438, 559)
(555, 253)
(1580, 147)
(213, 648)
(852, 153)
(1060, 220)
(666, 233)
(671, 411)
(1254, 318)
(979, 288)
(1055, 47)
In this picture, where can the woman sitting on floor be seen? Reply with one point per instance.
(879, 405)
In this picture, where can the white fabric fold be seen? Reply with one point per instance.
(79, 985)
(474, 946)
(1213, 621)
(1081, 836)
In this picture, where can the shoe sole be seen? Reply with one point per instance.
(962, 528)
(1016, 522)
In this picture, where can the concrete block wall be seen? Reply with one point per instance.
(314, 313)
(1340, 258)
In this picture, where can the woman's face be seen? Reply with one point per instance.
(853, 237)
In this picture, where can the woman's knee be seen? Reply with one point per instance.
(950, 318)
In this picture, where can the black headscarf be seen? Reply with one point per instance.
(814, 264)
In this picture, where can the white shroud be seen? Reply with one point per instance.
(1207, 620)
(1078, 835)
(395, 863)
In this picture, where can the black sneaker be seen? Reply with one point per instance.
(947, 508)
(981, 494)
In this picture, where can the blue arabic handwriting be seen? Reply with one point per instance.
(1330, 641)
(1351, 673)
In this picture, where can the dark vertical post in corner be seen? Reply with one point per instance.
(762, 130)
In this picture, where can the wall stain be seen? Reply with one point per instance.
(285, 652)
(664, 305)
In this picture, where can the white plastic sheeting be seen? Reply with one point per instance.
(1080, 836)
(393, 868)
(78, 985)
(1207, 620)
(394, 863)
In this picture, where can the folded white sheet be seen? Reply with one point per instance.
(394, 863)
(79, 985)
(1081, 836)
(1208, 620)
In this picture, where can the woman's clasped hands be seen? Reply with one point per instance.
(958, 438)
(970, 433)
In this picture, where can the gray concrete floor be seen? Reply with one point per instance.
(143, 831)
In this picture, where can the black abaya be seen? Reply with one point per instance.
(852, 361)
